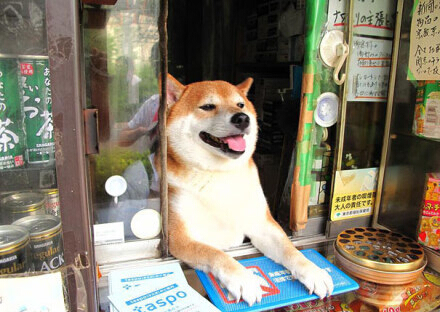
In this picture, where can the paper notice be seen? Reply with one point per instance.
(424, 50)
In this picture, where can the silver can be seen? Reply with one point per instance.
(46, 242)
(14, 249)
(22, 204)
(52, 204)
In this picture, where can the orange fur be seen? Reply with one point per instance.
(215, 196)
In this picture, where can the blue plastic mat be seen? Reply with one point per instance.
(279, 288)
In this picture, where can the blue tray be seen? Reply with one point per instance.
(279, 288)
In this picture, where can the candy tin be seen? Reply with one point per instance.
(379, 256)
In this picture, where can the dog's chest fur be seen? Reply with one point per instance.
(219, 207)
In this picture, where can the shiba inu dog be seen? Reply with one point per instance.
(215, 196)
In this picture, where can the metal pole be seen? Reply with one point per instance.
(163, 41)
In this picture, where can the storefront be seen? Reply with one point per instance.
(346, 94)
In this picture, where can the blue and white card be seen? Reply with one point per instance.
(277, 283)
(129, 280)
(173, 297)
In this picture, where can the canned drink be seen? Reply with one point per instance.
(37, 107)
(46, 242)
(12, 138)
(52, 203)
(20, 205)
(14, 249)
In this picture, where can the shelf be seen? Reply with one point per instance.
(395, 135)
(19, 179)
(270, 67)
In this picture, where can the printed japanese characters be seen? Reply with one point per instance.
(429, 222)
(12, 143)
(37, 102)
(215, 196)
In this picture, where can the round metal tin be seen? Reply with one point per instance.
(12, 237)
(45, 241)
(380, 250)
(14, 249)
(23, 204)
(52, 203)
(40, 226)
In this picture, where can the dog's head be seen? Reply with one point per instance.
(211, 124)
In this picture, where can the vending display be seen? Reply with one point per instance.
(30, 225)
(429, 222)
(427, 110)
(12, 139)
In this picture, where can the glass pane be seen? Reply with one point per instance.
(364, 130)
(122, 60)
(411, 155)
(367, 82)
(30, 224)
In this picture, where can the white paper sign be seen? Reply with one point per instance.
(424, 60)
(42, 293)
(108, 233)
(371, 17)
(369, 69)
(374, 17)
(337, 14)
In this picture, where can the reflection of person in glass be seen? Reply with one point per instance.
(144, 122)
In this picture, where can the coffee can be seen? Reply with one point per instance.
(52, 203)
(14, 249)
(46, 242)
(19, 205)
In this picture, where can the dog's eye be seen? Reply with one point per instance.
(241, 105)
(207, 107)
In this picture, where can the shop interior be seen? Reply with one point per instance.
(100, 185)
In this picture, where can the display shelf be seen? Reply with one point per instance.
(395, 134)
(18, 179)
(433, 258)
(267, 67)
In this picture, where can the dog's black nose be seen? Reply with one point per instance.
(240, 120)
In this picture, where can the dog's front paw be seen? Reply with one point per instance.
(245, 285)
(315, 279)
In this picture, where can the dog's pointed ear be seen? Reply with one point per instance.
(174, 89)
(245, 85)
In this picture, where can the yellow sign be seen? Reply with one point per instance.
(347, 206)
(354, 193)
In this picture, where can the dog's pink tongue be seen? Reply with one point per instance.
(235, 143)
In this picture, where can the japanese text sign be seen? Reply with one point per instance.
(425, 41)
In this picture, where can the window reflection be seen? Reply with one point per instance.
(122, 61)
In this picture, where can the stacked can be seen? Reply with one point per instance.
(12, 142)
(37, 106)
(19, 205)
(14, 249)
(52, 202)
(46, 241)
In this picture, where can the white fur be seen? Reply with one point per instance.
(183, 136)
(220, 201)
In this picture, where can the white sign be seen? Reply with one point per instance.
(41, 293)
(374, 17)
(109, 233)
(424, 60)
(369, 69)
(371, 17)
(337, 16)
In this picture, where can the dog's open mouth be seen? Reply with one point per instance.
(231, 144)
